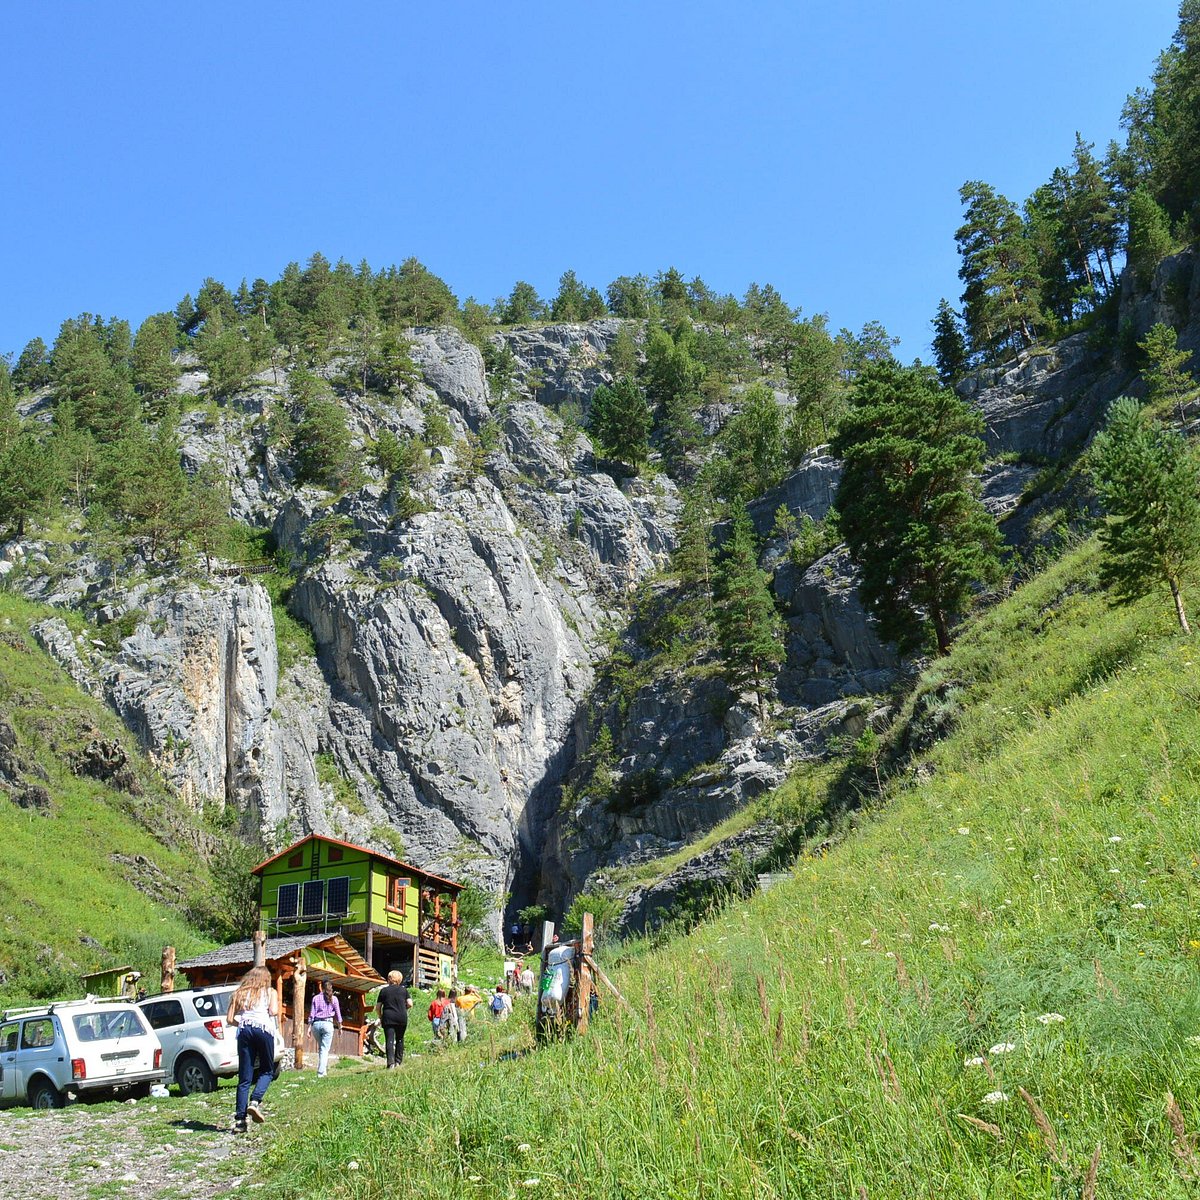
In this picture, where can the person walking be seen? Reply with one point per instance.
(465, 1001)
(501, 1005)
(392, 1004)
(254, 1009)
(324, 1016)
(436, 1015)
(452, 1018)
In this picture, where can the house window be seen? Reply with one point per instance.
(335, 854)
(288, 902)
(396, 888)
(339, 896)
(297, 859)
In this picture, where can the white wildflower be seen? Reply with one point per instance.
(995, 1098)
(524, 1148)
(1116, 837)
(964, 830)
(531, 1183)
(1194, 1040)
(937, 928)
(352, 1165)
(866, 941)
(1137, 905)
(1051, 1018)
(977, 1061)
(1002, 1048)
(1114, 870)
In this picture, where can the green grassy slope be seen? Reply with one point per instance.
(865, 1029)
(66, 906)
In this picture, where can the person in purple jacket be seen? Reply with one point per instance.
(324, 1016)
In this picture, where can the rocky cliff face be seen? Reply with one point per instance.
(453, 647)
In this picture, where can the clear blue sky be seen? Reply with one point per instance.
(818, 147)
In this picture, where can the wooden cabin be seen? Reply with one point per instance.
(323, 957)
(395, 915)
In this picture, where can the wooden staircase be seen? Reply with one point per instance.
(428, 969)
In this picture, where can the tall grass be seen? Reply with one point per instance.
(887, 1024)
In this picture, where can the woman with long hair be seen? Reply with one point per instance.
(254, 1009)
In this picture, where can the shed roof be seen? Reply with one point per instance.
(362, 976)
(386, 858)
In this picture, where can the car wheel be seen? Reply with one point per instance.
(193, 1074)
(43, 1094)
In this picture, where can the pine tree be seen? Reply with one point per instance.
(908, 502)
(749, 627)
(29, 483)
(208, 501)
(32, 368)
(814, 379)
(752, 458)
(998, 272)
(1149, 239)
(90, 365)
(154, 369)
(949, 345)
(1146, 479)
(1165, 373)
(620, 421)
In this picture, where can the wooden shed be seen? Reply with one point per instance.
(324, 956)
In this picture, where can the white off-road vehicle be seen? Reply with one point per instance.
(85, 1047)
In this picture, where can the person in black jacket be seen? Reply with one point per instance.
(392, 1004)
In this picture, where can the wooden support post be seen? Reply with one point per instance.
(260, 948)
(168, 969)
(608, 983)
(586, 945)
(299, 980)
(454, 929)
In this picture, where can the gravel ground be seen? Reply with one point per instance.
(174, 1149)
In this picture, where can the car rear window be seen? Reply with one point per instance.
(212, 1004)
(108, 1025)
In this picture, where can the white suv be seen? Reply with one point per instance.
(198, 1047)
(87, 1047)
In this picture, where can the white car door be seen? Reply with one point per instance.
(166, 1019)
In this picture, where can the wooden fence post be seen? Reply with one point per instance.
(168, 969)
(260, 948)
(299, 979)
(586, 946)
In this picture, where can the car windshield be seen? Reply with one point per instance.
(212, 1004)
(108, 1025)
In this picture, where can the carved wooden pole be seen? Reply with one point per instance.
(260, 948)
(299, 979)
(586, 944)
(168, 969)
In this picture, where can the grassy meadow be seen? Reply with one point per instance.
(987, 988)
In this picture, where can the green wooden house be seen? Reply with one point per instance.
(394, 914)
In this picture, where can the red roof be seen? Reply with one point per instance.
(387, 858)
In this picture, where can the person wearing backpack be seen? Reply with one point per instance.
(501, 1003)
(437, 1012)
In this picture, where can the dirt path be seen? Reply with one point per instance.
(174, 1149)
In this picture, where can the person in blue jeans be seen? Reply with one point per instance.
(254, 1009)
(324, 1015)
